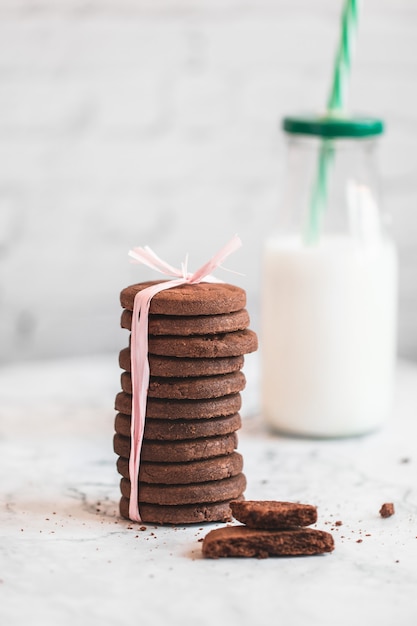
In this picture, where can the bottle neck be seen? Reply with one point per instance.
(331, 186)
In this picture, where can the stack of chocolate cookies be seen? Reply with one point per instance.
(190, 469)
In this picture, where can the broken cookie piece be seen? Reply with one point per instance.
(241, 541)
(272, 514)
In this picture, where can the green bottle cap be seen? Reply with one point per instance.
(333, 127)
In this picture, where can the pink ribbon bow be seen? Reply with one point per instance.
(139, 345)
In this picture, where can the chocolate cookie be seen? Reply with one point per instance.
(273, 515)
(206, 470)
(214, 491)
(241, 541)
(201, 299)
(189, 325)
(205, 346)
(178, 451)
(183, 409)
(190, 388)
(182, 514)
(181, 368)
(180, 429)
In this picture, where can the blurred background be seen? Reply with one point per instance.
(156, 122)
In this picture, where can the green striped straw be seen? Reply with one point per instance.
(349, 24)
(335, 106)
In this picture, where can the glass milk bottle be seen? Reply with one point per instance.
(329, 286)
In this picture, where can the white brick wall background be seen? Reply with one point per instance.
(126, 123)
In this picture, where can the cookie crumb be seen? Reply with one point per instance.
(142, 528)
(387, 509)
(338, 523)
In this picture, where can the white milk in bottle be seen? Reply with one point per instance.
(329, 288)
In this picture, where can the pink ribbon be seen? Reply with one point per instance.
(139, 345)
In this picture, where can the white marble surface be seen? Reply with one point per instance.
(66, 557)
